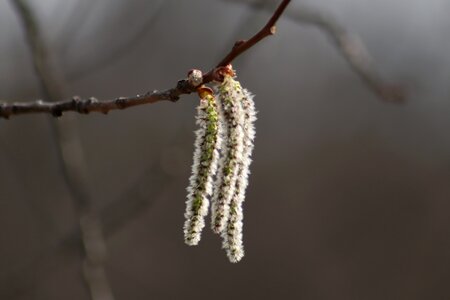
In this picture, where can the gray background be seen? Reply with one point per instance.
(348, 197)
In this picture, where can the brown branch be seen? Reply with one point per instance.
(349, 45)
(268, 29)
(85, 106)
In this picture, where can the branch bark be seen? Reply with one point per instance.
(85, 106)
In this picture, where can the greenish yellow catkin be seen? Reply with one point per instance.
(232, 137)
(205, 161)
(221, 167)
(232, 180)
(232, 236)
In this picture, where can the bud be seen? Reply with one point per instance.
(195, 77)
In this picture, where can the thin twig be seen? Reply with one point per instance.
(248, 21)
(348, 44)
(183, 86)
(85, 106)
(268, 29)
(71, 160)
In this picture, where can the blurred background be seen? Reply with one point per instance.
(349, 194)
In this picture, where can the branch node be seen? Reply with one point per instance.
(239, 43)
(174, 98)
(75, 99)
(3, 111)
(183, 87)
(121, 102)
(56, 112)
(83, 105)
(150, 93)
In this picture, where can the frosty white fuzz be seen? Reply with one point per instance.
(195, 77)
(232, 236)
(230, 95)
(206, 156)
(223, 148)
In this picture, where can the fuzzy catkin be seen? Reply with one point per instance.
(220, 171)
(232, 148)
(205, 161)
(232, 236)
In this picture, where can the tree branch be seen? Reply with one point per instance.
(85, 106)
(268, 29)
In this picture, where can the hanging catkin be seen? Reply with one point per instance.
(222, 157)
(204, 166)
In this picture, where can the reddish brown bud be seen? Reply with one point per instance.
(204, 91)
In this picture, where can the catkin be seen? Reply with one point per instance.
(232, 146)
(205, 161)
(222, 157)
(232, 236)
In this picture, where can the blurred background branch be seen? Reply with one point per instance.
(117, 52)
(134, 201)
(348, 44)
(70, 157)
